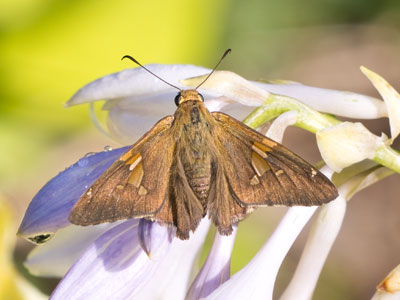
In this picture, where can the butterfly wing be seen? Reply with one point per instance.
(182, 209)
(223, 207)
(127, 189)
(262, 172)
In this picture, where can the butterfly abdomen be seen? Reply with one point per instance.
(199, 181)
(197, 166)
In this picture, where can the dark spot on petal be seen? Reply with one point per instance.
(41, 238)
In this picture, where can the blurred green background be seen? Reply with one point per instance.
(49, 49)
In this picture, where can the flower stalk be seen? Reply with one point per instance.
(388, 157)
(275, 105)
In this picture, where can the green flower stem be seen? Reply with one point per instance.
(312, 121)
(276, 105)
(388, 157)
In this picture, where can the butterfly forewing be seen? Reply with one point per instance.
(262, 172)
(126, 189)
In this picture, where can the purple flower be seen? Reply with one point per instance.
(141, 259)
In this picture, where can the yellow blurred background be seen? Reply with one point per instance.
(49, 49)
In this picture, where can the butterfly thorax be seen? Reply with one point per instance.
(193, 134)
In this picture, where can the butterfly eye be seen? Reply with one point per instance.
(201, 96)
(177, 97)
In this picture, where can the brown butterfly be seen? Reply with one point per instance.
(196, 162)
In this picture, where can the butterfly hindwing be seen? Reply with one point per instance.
(223, 209)
(262, 172)
(186, 209)
(127, 189)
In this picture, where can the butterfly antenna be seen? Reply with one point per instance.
(139, 64)
(213, 70)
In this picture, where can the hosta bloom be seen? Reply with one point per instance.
(140, 259)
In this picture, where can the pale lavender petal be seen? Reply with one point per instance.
(54, 258)
(256, 280)
(50, 208)
(152, 236)
(113, 267)
(216, 269)
(170, 281)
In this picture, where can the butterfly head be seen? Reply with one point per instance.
(188, 95)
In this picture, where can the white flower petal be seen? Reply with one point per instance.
(216, 269)
(278, 127)
(363, 180)
(252, 93)
(231, 86)
(256, 280)
(389, 288)
(391, 97)
(319, 243)
(341, 103)
(29, 291)
(216, 104)
(54, 258)
(135, 82)
(347, 143)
